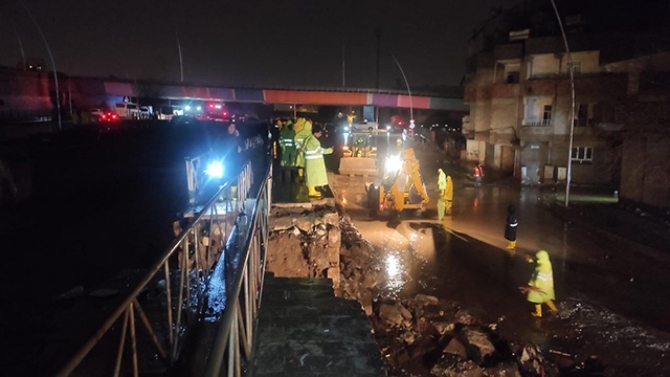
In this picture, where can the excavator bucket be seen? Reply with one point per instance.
(365, 166)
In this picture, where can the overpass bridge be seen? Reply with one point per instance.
(33, 92)
(207, 308)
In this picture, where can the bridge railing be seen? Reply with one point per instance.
(236, 232)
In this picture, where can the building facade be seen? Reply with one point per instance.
(518, 87)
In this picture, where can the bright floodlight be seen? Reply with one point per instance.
(215, 169)
(393, 164)
(187, 108)
(199, 108)
(388, 127)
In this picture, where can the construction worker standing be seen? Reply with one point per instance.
(510, 227)
(478, 174)
(286, 137)
(303, 129)
(446, 187)
(540, 288)
(448, 196)
(315, 166)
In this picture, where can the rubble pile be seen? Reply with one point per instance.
(304, 242)
(425, 336)
(360, 267)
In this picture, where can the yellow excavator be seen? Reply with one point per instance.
(359, 155)
(402, 187)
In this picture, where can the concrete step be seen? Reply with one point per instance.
(304, 330)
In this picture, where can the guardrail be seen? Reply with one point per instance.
(244, 243)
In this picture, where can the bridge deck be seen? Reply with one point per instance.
(304, 330)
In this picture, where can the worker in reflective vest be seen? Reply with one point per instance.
(478, 174)
(303, 129)
(510, 227)
(286, 143)
(446, 187)
(315, 166)
(540, 288)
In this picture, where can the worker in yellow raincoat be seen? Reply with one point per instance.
(446, 187)
(315, 166)
(302, 129)
(540, 288)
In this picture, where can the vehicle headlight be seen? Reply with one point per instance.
(187, 108)
(215, 169)
(199, 108)
(388, 126)
(346, 128)
(393, 164)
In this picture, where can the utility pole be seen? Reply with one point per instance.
(53, 64)
(344, 81)
(181, 61)
(572, 111)
(23, 53)
(378, 35)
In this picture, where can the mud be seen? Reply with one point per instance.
(427, 336)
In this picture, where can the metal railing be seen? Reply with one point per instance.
(208, 241)
(536, 123)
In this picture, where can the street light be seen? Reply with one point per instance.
(572, 111)
(181, 62)
(53, 64)
(411, 108)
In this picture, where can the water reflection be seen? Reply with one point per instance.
(395, 271)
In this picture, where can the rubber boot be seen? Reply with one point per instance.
(312, 192)
(448, 210)
(538, 311)
(551, 305)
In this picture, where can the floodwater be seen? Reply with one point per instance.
(611, 292)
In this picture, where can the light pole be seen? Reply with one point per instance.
(181, 61)
(344, 78)
(23, 54)
(572, 111)
(409, 91)
(53, 64)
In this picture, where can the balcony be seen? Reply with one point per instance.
(536, 123)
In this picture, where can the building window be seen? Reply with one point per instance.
(576, 68)
(582, 115)
(546, 115)
(512, 77)
(582, 154)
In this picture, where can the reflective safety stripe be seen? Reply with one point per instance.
(513, 225)
(312, 157)
(545, 276)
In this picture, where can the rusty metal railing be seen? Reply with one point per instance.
(221, 229)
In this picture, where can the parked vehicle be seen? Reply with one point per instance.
(127, 110)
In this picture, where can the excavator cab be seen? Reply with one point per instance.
(359, 155)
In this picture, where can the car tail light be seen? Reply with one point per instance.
(225, 113)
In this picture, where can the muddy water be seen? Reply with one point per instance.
(608, 290)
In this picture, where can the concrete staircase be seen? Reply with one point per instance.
(304, 330)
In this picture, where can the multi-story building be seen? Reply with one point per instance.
(519, 91)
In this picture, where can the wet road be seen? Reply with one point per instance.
(611, 292)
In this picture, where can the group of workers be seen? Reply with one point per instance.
(301, 150)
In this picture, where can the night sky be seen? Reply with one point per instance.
(252, 42)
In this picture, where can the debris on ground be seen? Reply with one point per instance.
(304, 243)
(428, 336)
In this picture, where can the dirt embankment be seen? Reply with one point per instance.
(427, 336)
(304, 242)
